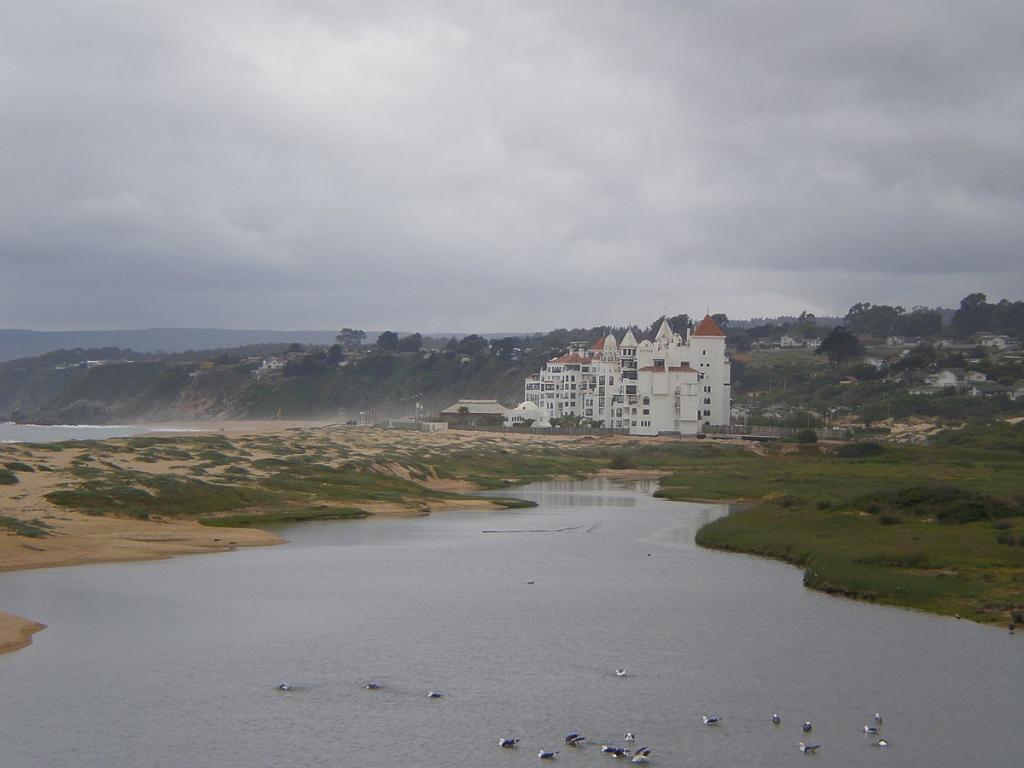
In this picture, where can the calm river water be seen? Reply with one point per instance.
(175, 663)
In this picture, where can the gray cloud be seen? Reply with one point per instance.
(458, 165)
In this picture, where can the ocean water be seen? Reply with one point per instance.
(176, 663)
(40, 433)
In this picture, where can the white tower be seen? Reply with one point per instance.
(707, 345)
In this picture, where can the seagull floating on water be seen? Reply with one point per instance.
(881, 743)
(284, 687)
(613, 751)
(878, 718)
(711, 719)
(871, 729)
(809, 749)
(434, 694)
(545, 755)
(807, 727)
(641, 755)
(372, 686)
(620, 672)
(775, 718)
(573, 739)
(507, 743)
(630, 736)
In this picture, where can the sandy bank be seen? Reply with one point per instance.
(79, 539)
(16, 632)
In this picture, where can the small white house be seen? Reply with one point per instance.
(527, 414)
(947, 377)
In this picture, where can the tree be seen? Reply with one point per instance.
(841, 346)
(388, 341)
(921, 321)
(873, 319)
(975, 314)
(472, 345)
(350, 338)
(335, 354)
(411, 343)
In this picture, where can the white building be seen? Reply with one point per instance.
(527, 414)
(669, 384)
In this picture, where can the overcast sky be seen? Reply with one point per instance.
(482, 166)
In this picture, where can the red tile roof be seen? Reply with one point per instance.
(707, 327)
(599, 344)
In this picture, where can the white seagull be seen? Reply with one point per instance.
(871, 729)
(711, 719)
(507, 743)
(630, 736)
(620, 672)
(809, 749)
(641, 755)
(372, 686)
(545, 755)
(613, 751)
(284, 687)
(775, 718)
(434, 694)
(881, 743)
(878, 718)
(807, 727)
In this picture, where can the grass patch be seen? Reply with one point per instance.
(293, 516)
(18, 466)
(35, 529)
(7, 477)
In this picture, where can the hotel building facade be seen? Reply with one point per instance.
(671, 384)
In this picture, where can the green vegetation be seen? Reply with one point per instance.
(934, 529)
(35, 528)
(7, 477)
(278, 518)
(18, 466)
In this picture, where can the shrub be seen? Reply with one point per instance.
(888, 518)
(863, 450)
(784, 500)
(1009, 538)
(18, 466)
(7, 477)
(872, 507)
(805, 436)
(621, 461)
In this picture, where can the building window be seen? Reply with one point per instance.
(647, 411)
(647, 400)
